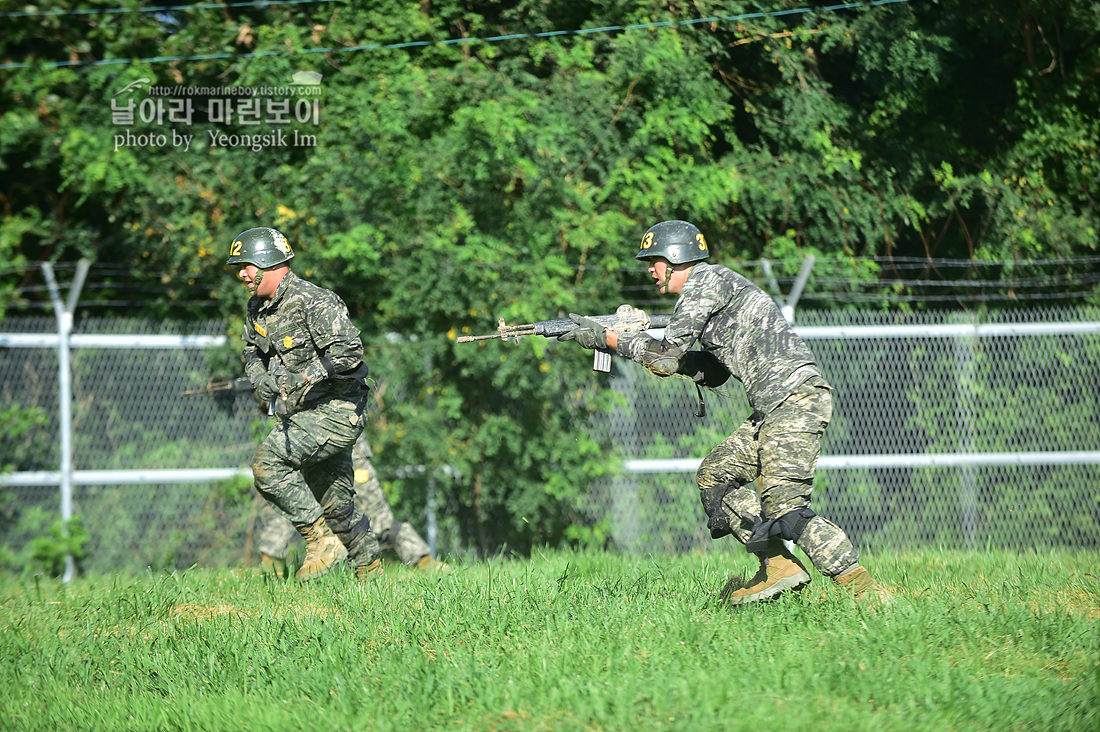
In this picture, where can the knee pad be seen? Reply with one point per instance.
(351, 532)
(718, 516)
(789, 526)
(387, 535)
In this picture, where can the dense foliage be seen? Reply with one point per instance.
(450, 181)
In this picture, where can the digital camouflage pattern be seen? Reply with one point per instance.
(739, 324)
(781, 450)
(277, 533)
(304, 465)
(779, 455)
(303, 329)
(773, 454)
(304, 468)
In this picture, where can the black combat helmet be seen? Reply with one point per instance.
(262, 247)
(677, 241)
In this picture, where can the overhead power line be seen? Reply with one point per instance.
(158, 8)
(456, 41)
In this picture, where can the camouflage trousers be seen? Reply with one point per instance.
(779, 454)
(277, 533)
(304, 469)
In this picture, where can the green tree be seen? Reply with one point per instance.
(457, 180)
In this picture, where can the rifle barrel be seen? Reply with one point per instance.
(216, 386)
(468, 339)
(504, 333)
(545, 328)
(561, 326)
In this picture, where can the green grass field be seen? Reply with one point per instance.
(561, 641)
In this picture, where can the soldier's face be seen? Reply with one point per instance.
(667, 278)
(258, 284)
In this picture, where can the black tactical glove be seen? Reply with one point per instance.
(590, 333)
(265, 386)
(717, 514)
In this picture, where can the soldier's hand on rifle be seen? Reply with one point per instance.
(588, 333)
(265, 386)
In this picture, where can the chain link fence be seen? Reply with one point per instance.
(144, 455)
(947, 430)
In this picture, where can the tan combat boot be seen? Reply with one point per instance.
(862, 585)
(369, 572)
(431, 564)
(323, 550)
(779, 572)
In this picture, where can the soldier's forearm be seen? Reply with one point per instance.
(338, 358)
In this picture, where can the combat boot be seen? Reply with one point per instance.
(431, 564)
(779, 572)
(323, 550)
(863, 587)
(369, 572)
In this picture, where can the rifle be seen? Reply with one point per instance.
(215, 386)
(234, 385)
(625, 319)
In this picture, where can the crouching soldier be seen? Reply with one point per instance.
(741, 326)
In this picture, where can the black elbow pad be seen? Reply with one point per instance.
(704, 368)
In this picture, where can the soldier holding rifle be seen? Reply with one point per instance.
(779, 443)
(303, 354)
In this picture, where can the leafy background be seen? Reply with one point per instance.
(928, 154)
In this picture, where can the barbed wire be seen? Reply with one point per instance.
(1068, 278)
(856, 297)
(919, 262)
(1065, 286)
(742, 264)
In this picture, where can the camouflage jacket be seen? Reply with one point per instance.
(303, 329)
(739, 324)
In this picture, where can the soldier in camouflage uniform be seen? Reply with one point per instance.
(778, 444)
(277, 532)
(303, 355)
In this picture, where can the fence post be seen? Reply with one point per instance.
(64, 312)
(429, 499)
(966, 354)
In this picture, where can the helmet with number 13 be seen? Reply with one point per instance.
(677, 241)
